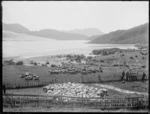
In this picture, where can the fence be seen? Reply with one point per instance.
(19, 100)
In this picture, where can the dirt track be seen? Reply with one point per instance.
(121, 90)
(41, 109)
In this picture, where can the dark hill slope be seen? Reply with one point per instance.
(46, 33)
(130, 36)
(87, 32)
(15, 28)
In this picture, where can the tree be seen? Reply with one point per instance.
(100, 79)
(35, 63)
(19, 63)
(47, 62)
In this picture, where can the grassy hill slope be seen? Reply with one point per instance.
(130, 36)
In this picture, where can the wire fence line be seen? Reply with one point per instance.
(30, 84)
(20, 100)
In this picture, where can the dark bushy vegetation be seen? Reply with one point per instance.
(19, 63)
(53, 65)
(89, 57)
(102, 61)
(31, 62)
(131, 57)
(105, 51)
(122, 55)
(9, 62)
(47, 62)
(143, 58)
(35, 63)
(76, 58)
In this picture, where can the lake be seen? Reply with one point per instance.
(34, 48)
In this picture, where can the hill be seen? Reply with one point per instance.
(12, 36)
(87, 32)
(94, 37)
(130, 36)
(58, 35)
(46, 33)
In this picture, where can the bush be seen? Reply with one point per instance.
(35, 63)
(136, 56)
(47, 62)
(89, 57)
(94, 60)
(31, 62)
(102, 61)
(53, 65)
(19, 63)
(131, 57)
(143, 58)
(68, 56)
(9, 62)
(116, 65)
(122, 54)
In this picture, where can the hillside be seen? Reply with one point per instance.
(12, 36)
(87, 32)
(94, 37)
(58, 35)
(46, 33)
(130, 36)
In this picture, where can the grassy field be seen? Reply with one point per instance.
(41, 109)
(111, 74)
(11, 74)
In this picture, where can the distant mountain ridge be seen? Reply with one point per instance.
(131, 36)
(46, 33)
(13, 36)
(87, 32)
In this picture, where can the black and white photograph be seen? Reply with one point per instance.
(75, 56)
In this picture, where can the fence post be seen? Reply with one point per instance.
(46, 101)
(12, 95)
(38, 100)
(12, 98)
(126, 102)
(82, 101)
(61, 100)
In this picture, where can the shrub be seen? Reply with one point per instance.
(102, 61)
(53, 65)
(47, 62)
(131, 57)
(94, 60)
(31, 62)
(143, 58)
(136, 56)
(19, 63)
(89, 57)
(68, 56)
(122, 55)
(116, 65)
(35, 63)
(9, 62)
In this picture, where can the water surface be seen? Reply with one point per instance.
(53, 47)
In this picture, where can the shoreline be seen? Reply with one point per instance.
(24, 57)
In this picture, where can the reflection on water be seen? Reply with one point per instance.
(53, 47)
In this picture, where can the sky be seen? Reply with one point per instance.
(68, 15)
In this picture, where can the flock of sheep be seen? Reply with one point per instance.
(29, 76)
(75, 70)
(74, 90)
